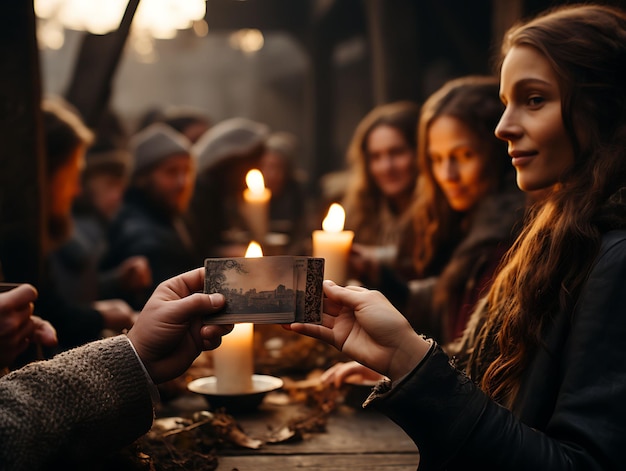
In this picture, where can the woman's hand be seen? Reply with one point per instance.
(350, 371)
(169, 334)
(364, 325)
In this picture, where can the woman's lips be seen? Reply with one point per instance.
(521, 158)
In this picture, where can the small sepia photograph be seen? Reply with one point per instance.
(258, 290)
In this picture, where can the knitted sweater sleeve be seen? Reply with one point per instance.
(78, 405)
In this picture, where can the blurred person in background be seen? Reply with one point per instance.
(225, 154)
(467, 210)
(288, 204)
(151, 221)
(66, 141)
(381, 182)
(76, 264)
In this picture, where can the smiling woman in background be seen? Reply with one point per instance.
(466, 209)
(383, 173)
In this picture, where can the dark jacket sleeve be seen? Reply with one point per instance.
(74, 408)
(456, 426)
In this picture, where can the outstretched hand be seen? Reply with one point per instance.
(364, 325)
(169, 334)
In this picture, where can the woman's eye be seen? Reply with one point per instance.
(462, 155)
(535, 100)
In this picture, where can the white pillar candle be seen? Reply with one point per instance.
(256, 200)
(334, 244)
(233, 361)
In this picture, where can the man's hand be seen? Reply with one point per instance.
(169, 334)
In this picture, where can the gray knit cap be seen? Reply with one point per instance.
(156, 143)
(233, 137)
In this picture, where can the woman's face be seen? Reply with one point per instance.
(459, 162)
(391, 161)
(532, 123)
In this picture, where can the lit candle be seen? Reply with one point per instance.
(334, 244)
(233, 360)
(256, 204)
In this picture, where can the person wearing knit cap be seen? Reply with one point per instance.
(151, 220)
(225, 153)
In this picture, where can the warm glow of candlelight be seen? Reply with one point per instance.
(335, 219)
(254, 250)
(255, 181)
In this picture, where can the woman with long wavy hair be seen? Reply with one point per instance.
(467, 207)
(383, 173)
(539, 380)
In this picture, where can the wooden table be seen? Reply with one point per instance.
(354, 439)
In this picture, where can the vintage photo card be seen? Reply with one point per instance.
(266, 290)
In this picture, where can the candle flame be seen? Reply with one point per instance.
(254, 250)
(335, 219)
(255, 181)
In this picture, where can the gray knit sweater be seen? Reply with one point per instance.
(79, 405)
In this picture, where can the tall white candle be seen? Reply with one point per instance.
(334, 244)
(256, 204)
(233, 360)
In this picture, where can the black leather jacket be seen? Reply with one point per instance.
(570, 413)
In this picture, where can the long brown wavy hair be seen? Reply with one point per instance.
(363, 198)
(437, 228)
(550, 261)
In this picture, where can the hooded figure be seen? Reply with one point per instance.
(225, 153)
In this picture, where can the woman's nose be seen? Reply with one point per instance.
(451, 170)
(507, 128)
